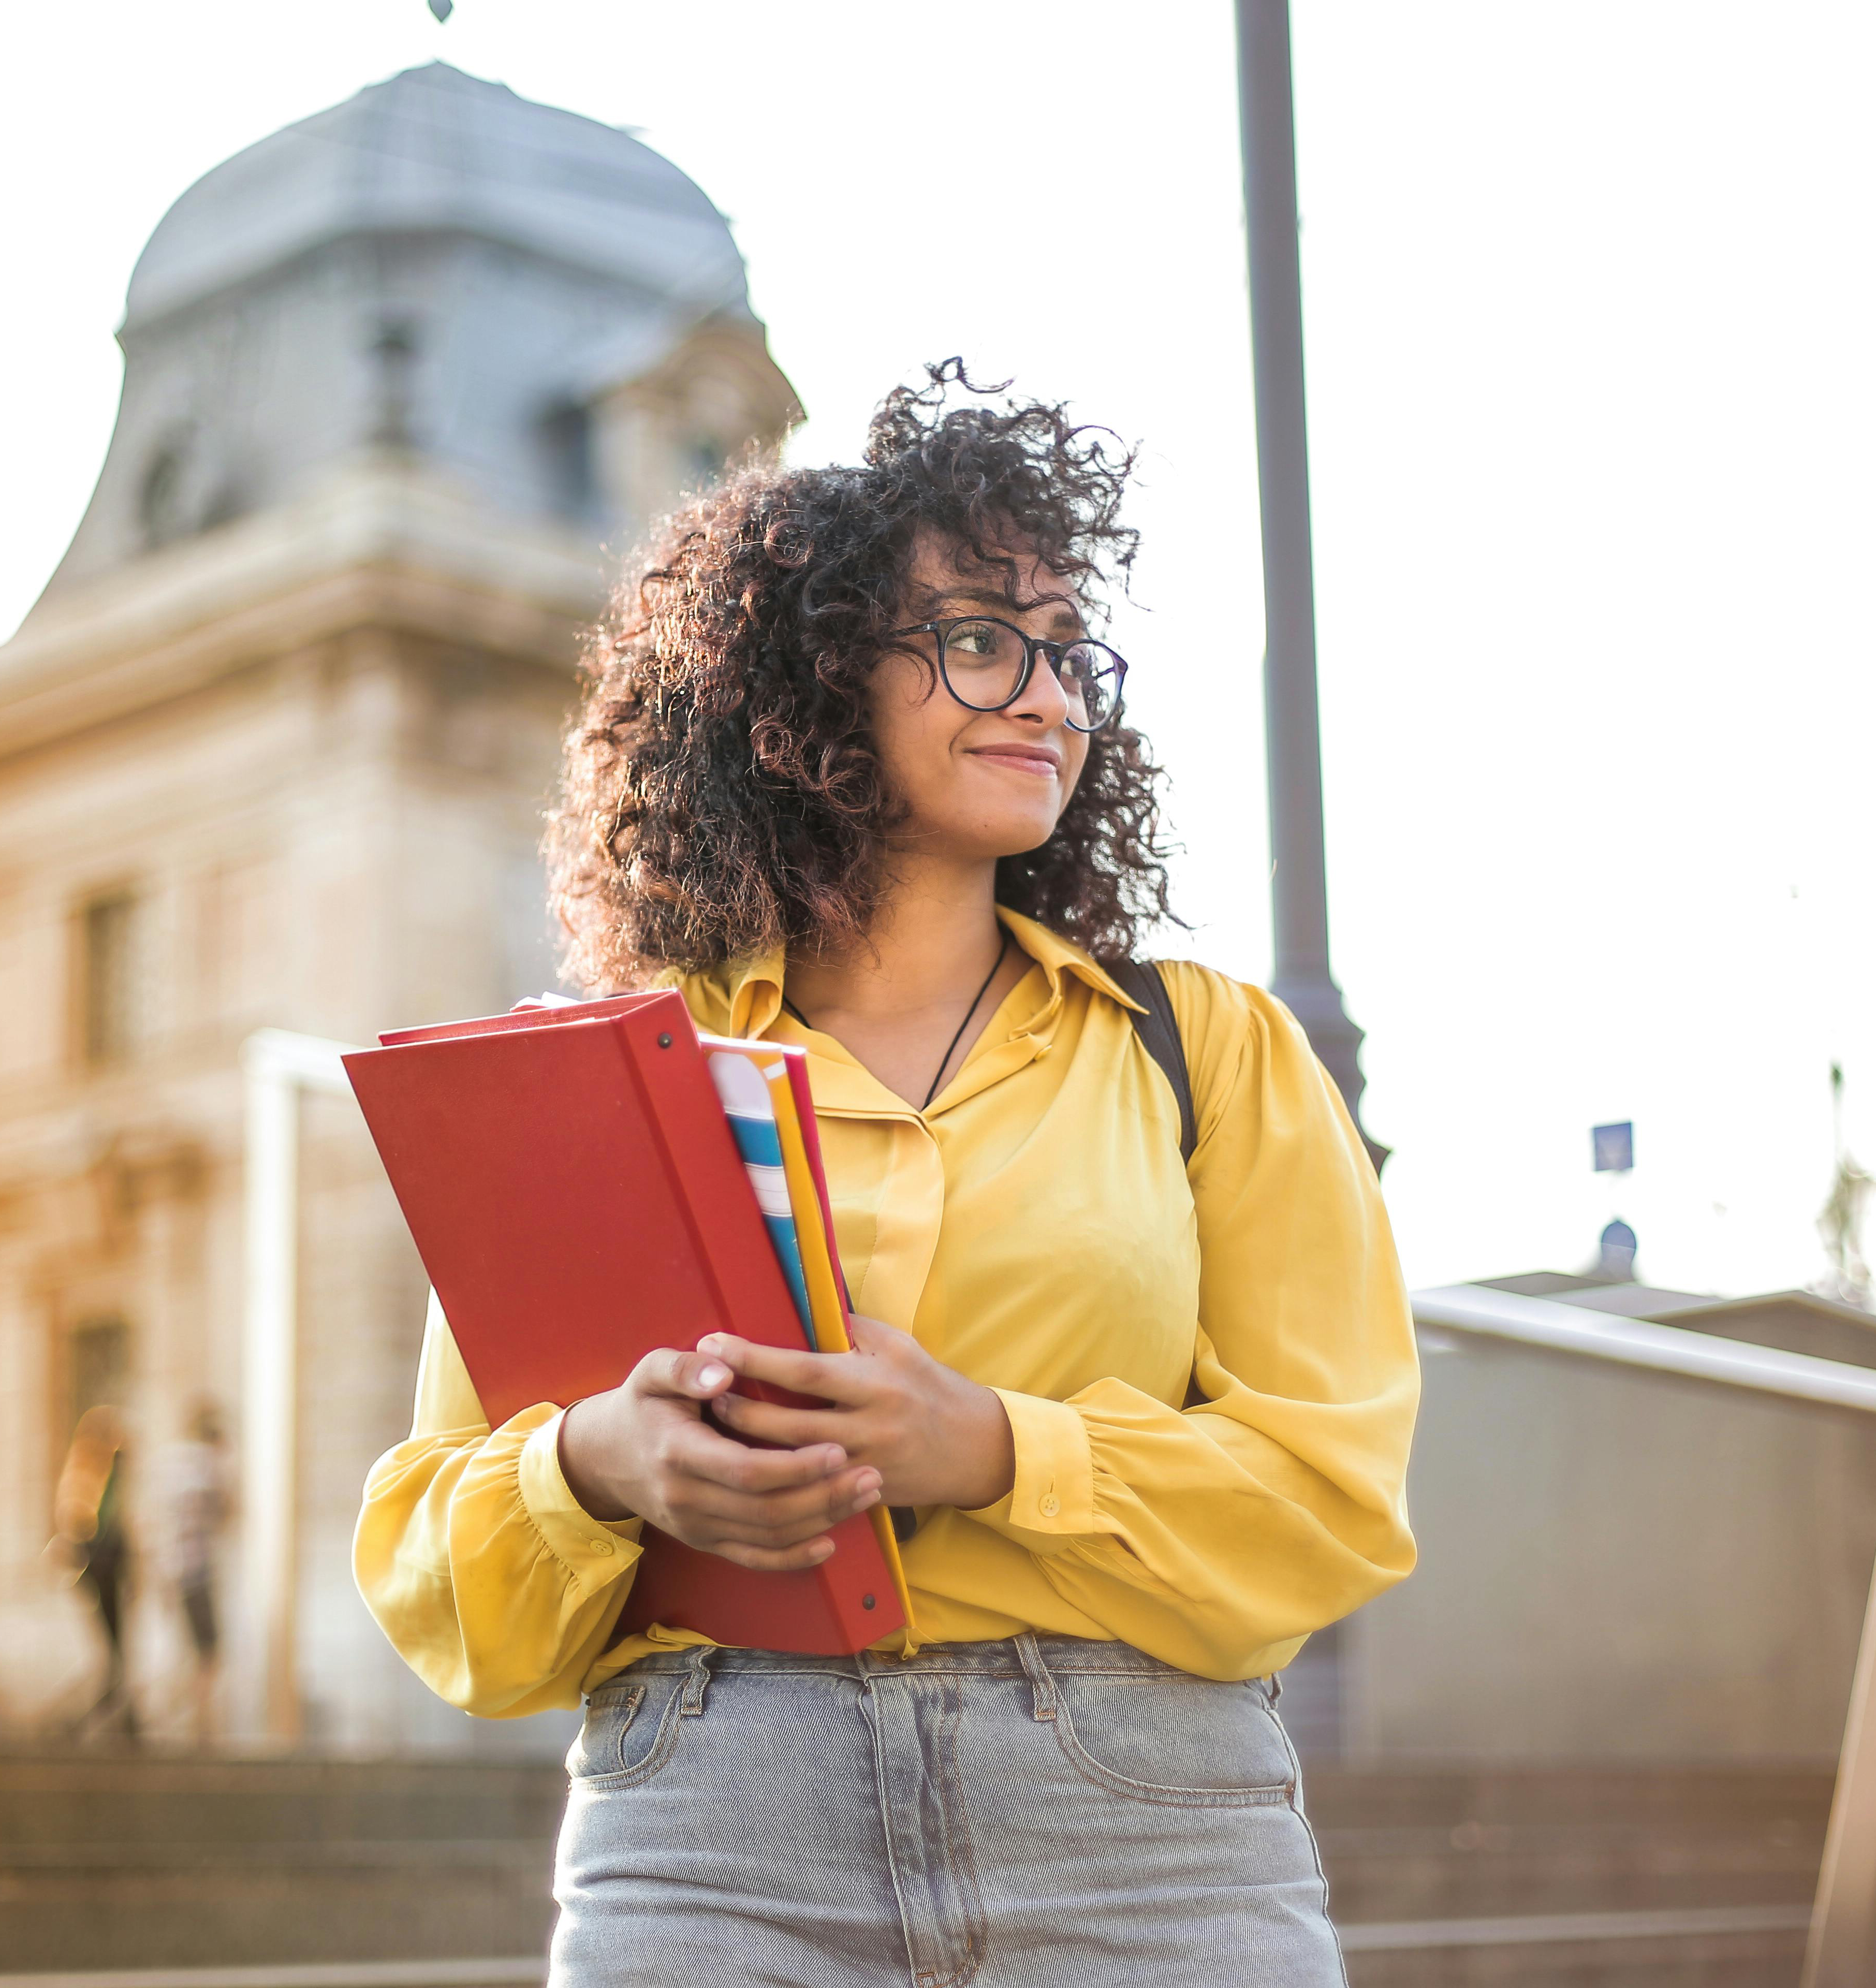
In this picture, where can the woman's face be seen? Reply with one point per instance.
(978, 785)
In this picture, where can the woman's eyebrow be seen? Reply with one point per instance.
(1066, 616)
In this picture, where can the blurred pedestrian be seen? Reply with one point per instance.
(87, 1513)
(189, 1507)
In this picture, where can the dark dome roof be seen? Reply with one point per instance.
(432, 150)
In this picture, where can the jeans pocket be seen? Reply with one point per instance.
(630, 1732)
(1186, 1742)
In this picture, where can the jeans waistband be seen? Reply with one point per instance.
(1005, 1658)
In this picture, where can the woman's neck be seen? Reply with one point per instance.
(909, 1003)
(932, 940)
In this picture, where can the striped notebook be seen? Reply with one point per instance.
(744, 1089)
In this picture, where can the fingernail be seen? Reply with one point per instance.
(713, 1376)
(867, 1500)
(822, 1549)
(868, 1480)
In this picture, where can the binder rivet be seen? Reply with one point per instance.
(663, 1042)
(866, 1602)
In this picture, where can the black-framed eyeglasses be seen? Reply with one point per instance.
(986, 664)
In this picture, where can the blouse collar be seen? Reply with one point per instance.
(743, 998)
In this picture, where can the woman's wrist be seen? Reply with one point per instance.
(582, 1450)
(987, 1456)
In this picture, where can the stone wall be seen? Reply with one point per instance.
(1617, 1565)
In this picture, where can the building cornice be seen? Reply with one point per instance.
(380, 543)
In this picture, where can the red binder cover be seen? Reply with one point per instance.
(575, 1192)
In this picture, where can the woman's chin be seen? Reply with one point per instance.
(986, 837)
(1016, 837)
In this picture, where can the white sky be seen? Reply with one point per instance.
(1588, 302)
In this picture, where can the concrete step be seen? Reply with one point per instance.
(115, 1862)
(87, 1799)
(527, 1971)
(1719, 1948)
(1403, 1874)
(1619, 1879)
(1623, 1878)
(210, 1915)
(1660, 1796)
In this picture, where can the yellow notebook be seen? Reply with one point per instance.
(829, 1315)
(818, 1261)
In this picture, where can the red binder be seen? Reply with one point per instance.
(575, 1192)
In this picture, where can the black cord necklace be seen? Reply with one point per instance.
(1002, 953)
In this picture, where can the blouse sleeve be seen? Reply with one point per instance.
(477, 1561)
(1229, 1530)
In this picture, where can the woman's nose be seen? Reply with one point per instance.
(1043, 698)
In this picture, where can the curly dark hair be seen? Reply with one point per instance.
(720, 793)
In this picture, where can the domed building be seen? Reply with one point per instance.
(399, 381)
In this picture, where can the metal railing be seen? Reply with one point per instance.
(1634, 1342)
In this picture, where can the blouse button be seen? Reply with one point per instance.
(600, 1546)
(1048, 1504)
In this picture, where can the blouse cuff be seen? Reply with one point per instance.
(1054, 1489)
(596, 1551)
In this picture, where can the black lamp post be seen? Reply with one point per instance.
(1293, 737)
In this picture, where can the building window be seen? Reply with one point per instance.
(566, 443)
(97, 1366)
(108, 977)
(162, 506)
(395, 350)
(704, 460)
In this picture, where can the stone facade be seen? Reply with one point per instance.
(273, 752)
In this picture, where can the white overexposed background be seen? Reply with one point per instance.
(1588, 299)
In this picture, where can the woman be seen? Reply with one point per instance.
(88, 1512)
(850, 772)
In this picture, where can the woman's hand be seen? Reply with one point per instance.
(933, 1437)
(643, 1450)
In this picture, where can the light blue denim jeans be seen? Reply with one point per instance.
(1042, 1813)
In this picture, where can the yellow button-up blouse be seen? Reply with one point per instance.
(1035, 1229)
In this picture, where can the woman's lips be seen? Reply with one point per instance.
(1037, 761)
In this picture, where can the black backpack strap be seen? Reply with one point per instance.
(1159, 1030)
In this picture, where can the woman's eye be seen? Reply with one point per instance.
(972, 641)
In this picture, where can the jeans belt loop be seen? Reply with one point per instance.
(1041, 1680)
(696, 1682)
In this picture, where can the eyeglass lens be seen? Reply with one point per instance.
(982, 661)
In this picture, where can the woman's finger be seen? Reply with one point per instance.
(715, 1533)
(769, 1560)
(811, 1509)
(697, 1451)
(688, 1377)
(795, 1429)
(835, 1377)
(874, 1336)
